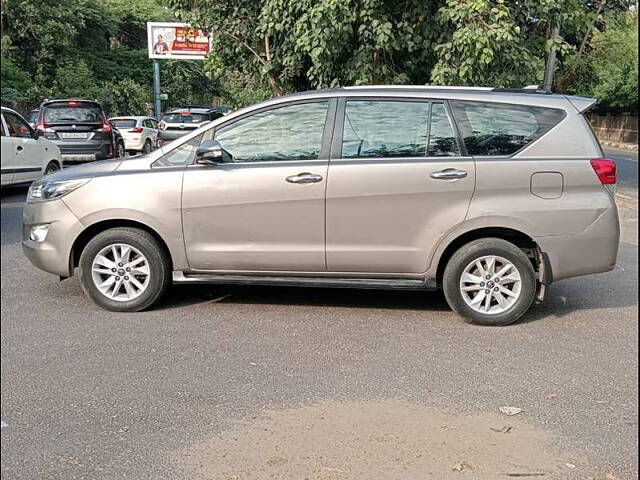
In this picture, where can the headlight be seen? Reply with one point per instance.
(45, 190)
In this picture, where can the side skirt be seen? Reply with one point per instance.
(295, 281)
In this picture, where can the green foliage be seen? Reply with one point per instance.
(88, 49)
(12, 77)
(609, 71)
(270, 47)
(184, 82)
(74, 78)
(294, 45)
(125, 97)
(484, 45)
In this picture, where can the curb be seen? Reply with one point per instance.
(622, 146)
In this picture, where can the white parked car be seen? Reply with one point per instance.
(140, 134)
(25, 158)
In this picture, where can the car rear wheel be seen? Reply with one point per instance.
(124, 269)
(51, 167)
(489, 282)
(120, 151)
(147, 147)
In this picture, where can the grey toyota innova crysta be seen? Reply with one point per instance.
(489, 194)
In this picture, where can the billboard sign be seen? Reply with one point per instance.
(177, 41)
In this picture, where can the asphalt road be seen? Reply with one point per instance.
(627, 163)
(92, 394)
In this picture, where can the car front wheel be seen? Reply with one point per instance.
(490, 282)
(51, 167)
(124, 269)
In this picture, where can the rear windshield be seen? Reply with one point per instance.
(80, 113)
(32, 117)
(185, 117)
(497, 129)
(123, 122)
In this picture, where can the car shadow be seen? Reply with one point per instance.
(615, 289)
(11, 202)
(185, 295)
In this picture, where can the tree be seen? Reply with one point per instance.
(125, 97)
(71, 47)
(608, 67)
(293, 45)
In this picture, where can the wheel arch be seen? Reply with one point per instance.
(517, 237)
(94, 229)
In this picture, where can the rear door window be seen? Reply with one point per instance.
(73, 113)
(496, 129)
(397, 129)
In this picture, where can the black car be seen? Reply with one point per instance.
(80, 129)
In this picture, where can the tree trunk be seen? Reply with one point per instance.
(273, 82)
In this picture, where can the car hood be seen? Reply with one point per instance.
(86, 170)
(104, 168)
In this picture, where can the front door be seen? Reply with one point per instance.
(397, 183)
(28, 160)
(263, 209)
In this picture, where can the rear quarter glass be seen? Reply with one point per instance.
(501, 129)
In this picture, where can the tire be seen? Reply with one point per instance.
(503, 308)
(120, 151)
(147, 148)
(121, 296)
(51, 167)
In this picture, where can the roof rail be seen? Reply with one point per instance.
(415, 87)
(528, 89)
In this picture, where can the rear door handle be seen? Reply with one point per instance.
(305, 177)
(449, 174)
(19, 148)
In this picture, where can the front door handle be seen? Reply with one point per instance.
(304, 178)
(449, 174)
(19, 148)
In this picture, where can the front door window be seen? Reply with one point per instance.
(289, 133)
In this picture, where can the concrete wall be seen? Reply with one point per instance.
(618, 128)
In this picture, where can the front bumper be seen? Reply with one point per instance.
(52, 255)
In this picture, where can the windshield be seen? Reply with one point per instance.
(32, 116)
(80, 113)
(123, 122)
(185, 117)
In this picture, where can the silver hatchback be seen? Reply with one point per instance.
(488, 194)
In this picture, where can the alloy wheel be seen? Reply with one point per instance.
(490, 285)
(120, 272)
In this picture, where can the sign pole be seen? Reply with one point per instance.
(156, 88)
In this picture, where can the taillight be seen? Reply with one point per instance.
(44, 130)
(136, 130)
(605, 169)
(106, 127)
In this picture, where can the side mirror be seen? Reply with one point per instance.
(210, 152)
(36, 133)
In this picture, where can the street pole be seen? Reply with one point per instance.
(551, 59)
(156, 88)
